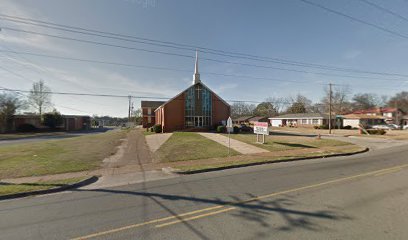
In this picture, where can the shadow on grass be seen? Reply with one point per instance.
(294, 145)
(277, 133)
(282, 214)
(33, 184)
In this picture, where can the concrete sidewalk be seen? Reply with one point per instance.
(156, 140)
(238, 146)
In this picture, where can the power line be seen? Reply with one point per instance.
(385, 10)
(214, 60)
(355, 19)
(156, 68)
(117, 96)
(24, 95)
(169, 44)
(183, 46)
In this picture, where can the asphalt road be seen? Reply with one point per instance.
(358, 197)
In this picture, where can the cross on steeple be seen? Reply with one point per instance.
(198, 89)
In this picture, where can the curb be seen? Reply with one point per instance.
(51, 190)
(269, 162)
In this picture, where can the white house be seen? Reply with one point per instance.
(301, 120)
(354, 120)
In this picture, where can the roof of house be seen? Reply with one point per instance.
(190, 87)
(257, 118)
(243, 118)
(376, 110)
(151, 104)
(362, 116)
(26, 116)
(301, 115)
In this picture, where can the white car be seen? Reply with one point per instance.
(394, 126)
(405, 127)
(384, 127)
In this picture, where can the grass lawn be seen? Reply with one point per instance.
(183, 146)
(58, 156)
(9, 188)
(146, 133)
(282, 143)
(280, 148)
(248, 160)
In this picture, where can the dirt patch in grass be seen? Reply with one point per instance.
(10, 188)
(58, 156)
(183, 146)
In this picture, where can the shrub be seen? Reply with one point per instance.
(26, 127)
(316, 127)
(324, 127)
(347, 127)
(151, 129)
(52, 119)
(376, 131)
(221, 129)
(236, 129)
(157, 128)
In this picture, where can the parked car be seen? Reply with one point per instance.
(405, 127)
(386, 126)
(245, 128)
(395, 126)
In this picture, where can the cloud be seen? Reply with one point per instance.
(223, 87)
(352, 54)
(25, 39)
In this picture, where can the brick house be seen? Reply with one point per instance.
(391, 115)
(148, 115)
(197, 107)
(69, 122)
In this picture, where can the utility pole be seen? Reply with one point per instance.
(330, 108)
(130, 103)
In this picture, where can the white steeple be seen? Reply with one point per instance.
(196, 78)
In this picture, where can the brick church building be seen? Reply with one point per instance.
(197, 107)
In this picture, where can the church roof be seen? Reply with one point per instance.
(191, 87)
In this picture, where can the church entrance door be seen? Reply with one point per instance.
(198, 121)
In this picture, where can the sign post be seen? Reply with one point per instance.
(261, 128)
(230, 128)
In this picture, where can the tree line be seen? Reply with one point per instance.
(38, 100)
(343, 102)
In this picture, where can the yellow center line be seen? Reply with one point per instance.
(195, 217)
(179, 216)
(155, 221)
(388, 172)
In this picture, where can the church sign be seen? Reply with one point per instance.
(261, 128)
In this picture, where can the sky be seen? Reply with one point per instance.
(285, 29)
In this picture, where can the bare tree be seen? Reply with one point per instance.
(399, 100)
(364, 101)
(40, 97)
(279, 103)
(300, 104)
(340, 100)
(239, 109)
